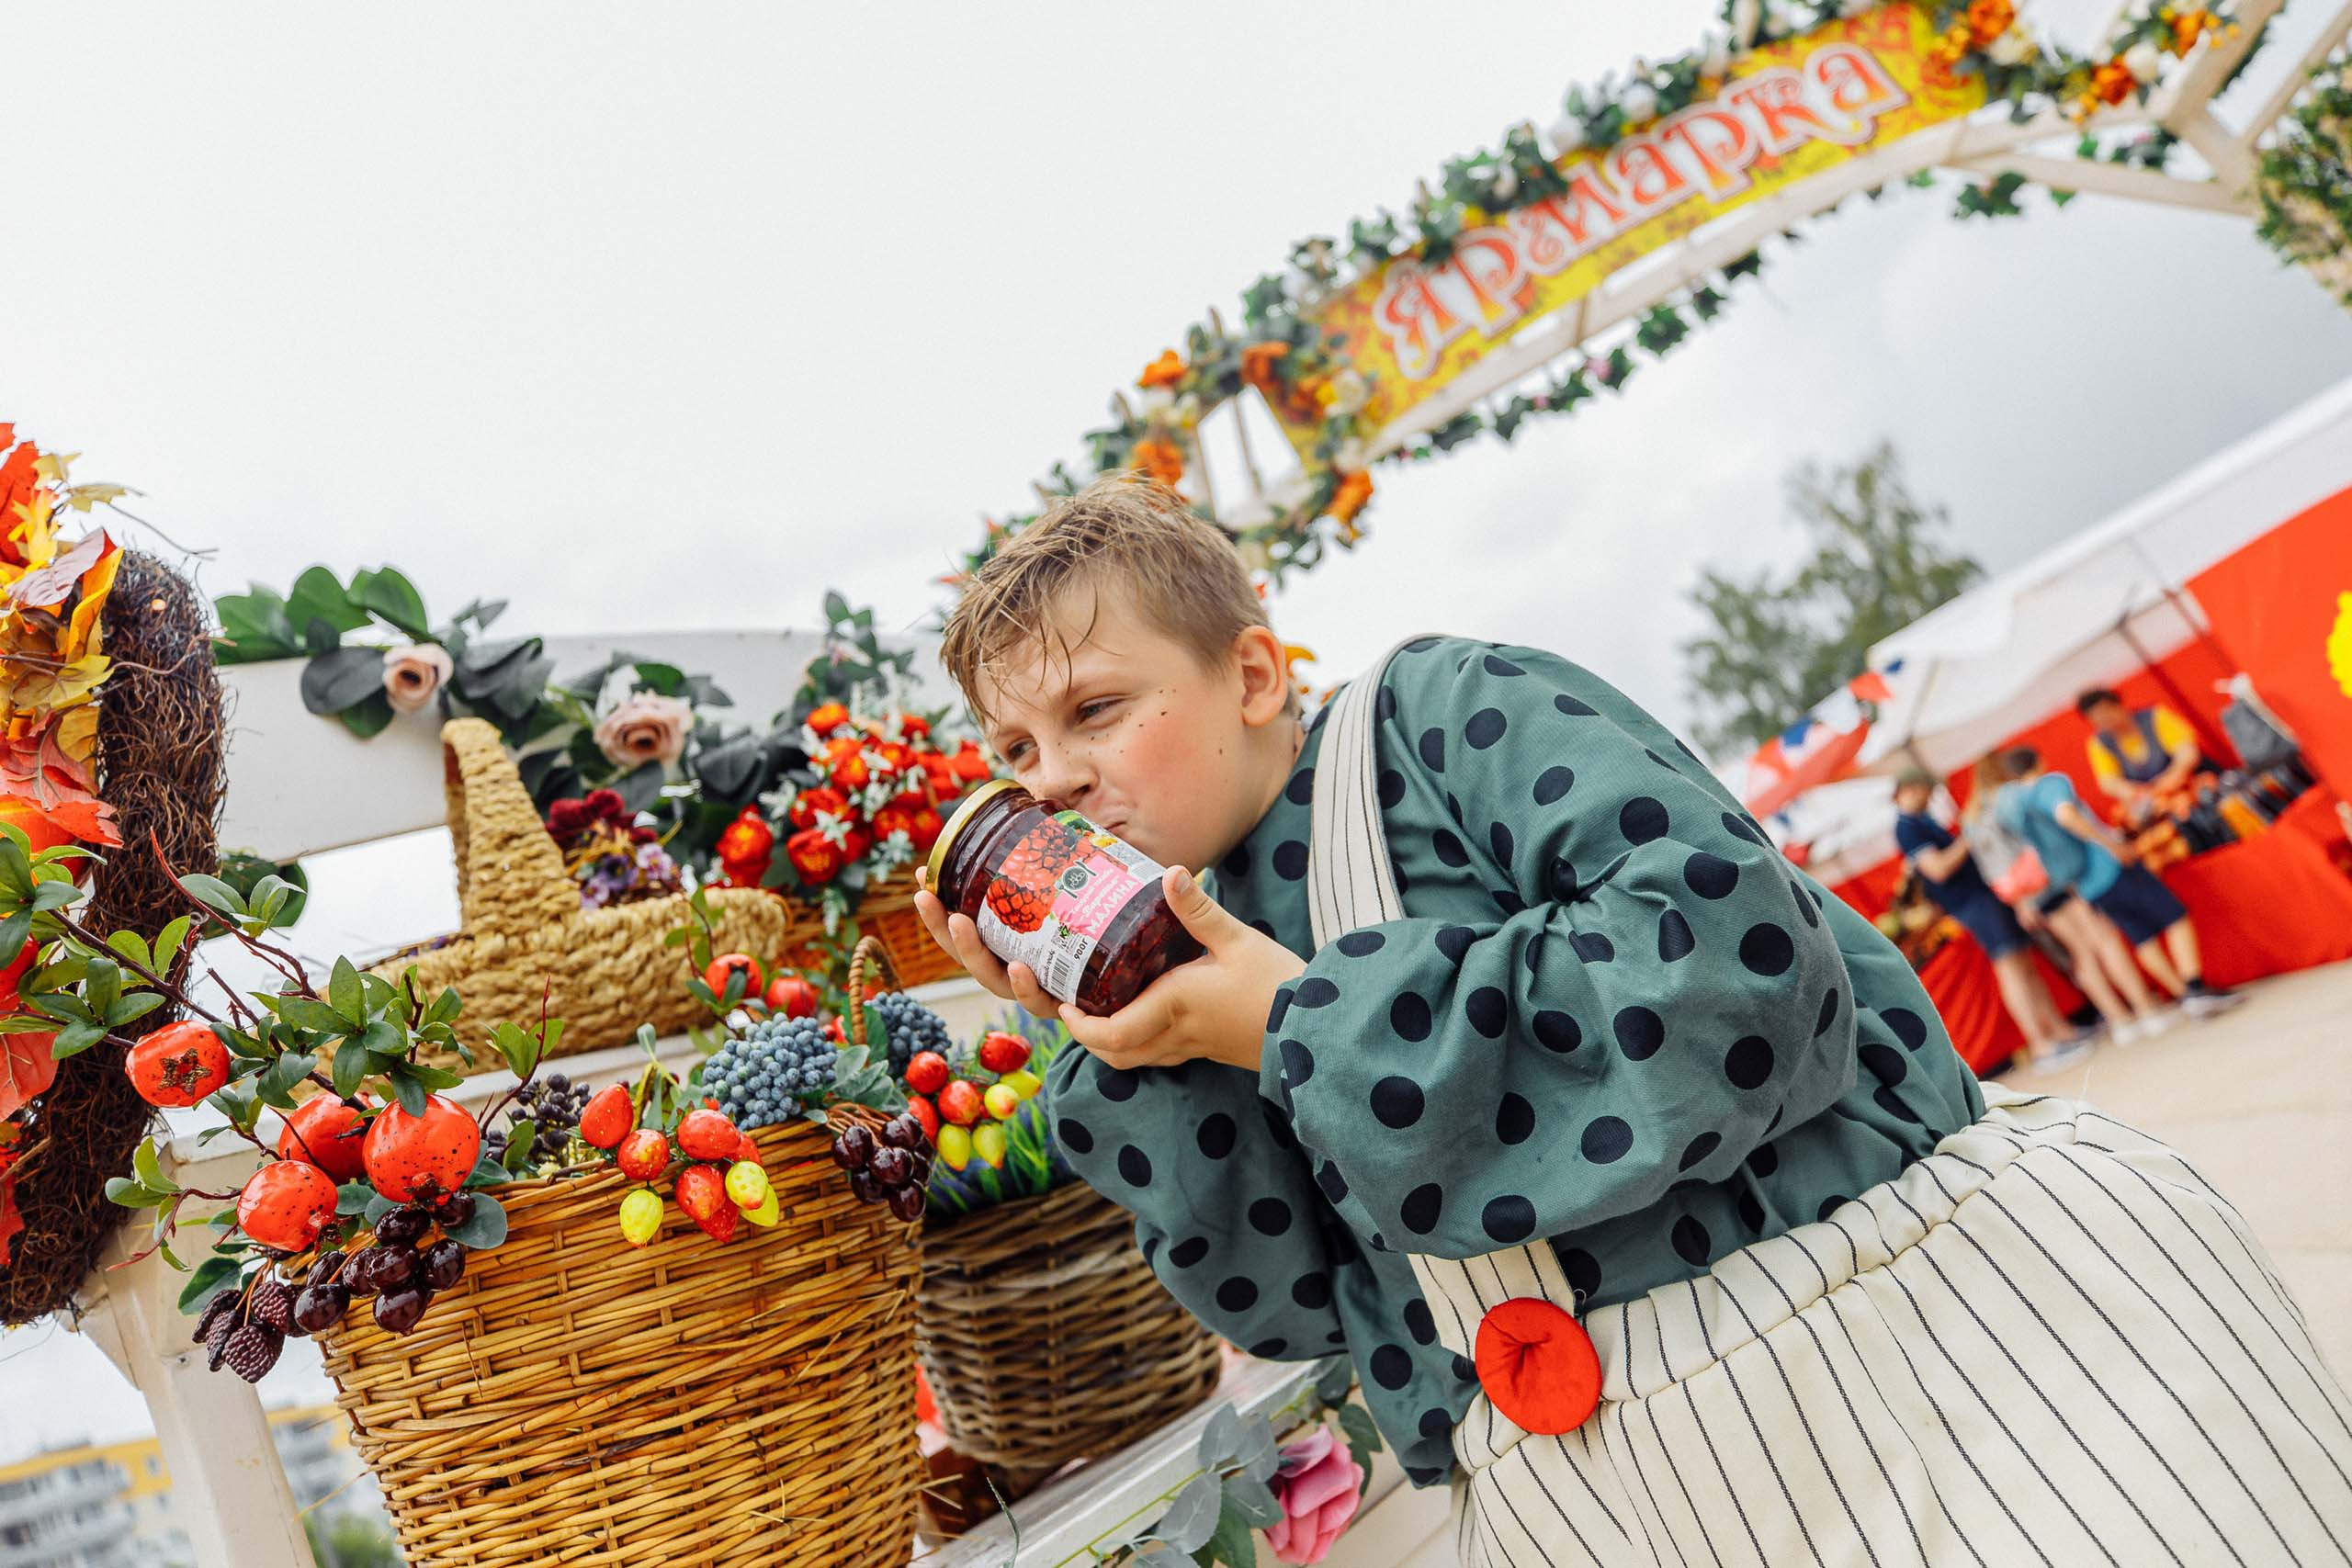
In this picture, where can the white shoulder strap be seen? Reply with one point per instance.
(1348, 883)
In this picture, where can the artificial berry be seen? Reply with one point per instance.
(747, 1185)
(1024, 1083)
(863, 1184)
(767, 1212)
(728, 964)
(252, 1350)
(644, 1154)
(642, 1216)
(403, 1226)
(902, 1132)
(707, 1134)
(747, 1148)
(325, 1271)
(287, 1204)
(988, 1141)
(702, 1192)
(382, 1268)
(893, 1168)
(454, 1211)
(1001, 1052)
(178, 1065)
(398, 1312)
(927, 1072)
(854, 1148)
(443, 1264)
(960, 1102)
(1003, 1103)
(608, 1117)
(955, 1146)
(327, 1131)
(271, 1301)
(924, 1111)
(790, 996)
(220, 1306)
(907, 1203)
(319, 1307)
(421, 1157)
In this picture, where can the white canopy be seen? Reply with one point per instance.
(2011, 652)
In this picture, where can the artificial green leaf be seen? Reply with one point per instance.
(24, 1024)
(1259, 1456)
(149, 1167)
(318, 596)
(368, 718)
(277, 1081)
(131, 1008)
(130, 1194)
(1233, 1545)
(132, 946)
(15, 931)
(1221, 1438)
(444, 1008)
(101, 985)
(1254, 1501)
(435, 1078)
(214, 895)
(487, 1172)
(378, 1207)
(74, 1039)
(343, 678)
(394, 598)
(1356, 1421)
(350, 1198)
(409, 1090)
(351, 1064)
(213, 1275)
(167, 946)
(304, 1013)
(54, 895)
(486, 1227)
(383, 1038)
(1191, 1519)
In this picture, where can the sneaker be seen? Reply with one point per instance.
(2060, 1054)
(2158, 1021)
(2131, 1032)
(2203, 1001)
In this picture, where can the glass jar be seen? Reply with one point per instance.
(1048, 889)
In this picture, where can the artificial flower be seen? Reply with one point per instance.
(645, 728)
(1161, 460)
(1164, 371)
(1319, 1485)
(414, 674)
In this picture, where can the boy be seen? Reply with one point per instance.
(1941, 857)
(1510, 1015)
(2137, 757)
(2084, 853)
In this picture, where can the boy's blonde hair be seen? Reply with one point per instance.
(1119, 532)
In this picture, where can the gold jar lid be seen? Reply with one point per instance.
(965, 811)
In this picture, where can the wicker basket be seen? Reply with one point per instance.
(580, 1401)
(526, 941)
(1045, 1336)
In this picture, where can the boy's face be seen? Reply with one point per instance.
(1913, 797)
(1135, 731)
(2110, 719)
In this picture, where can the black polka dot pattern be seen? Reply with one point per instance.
(1436, 1425)
(1748, 1064)
(1767, 950)
(1419, 1323)
(1488, 1011)
(1361, 945)
(1908, 1026)
(1675, 940)
(1392, 790)
(1593, 947)
(1398, 1102)
(1553, 785)
(1074, 1135)
(1710, 876)
(1508, 1220)
(1334, 1185)
(1392, 1366)
(1499, 839)
(1581, 1267)
(1298, 1063)
(1884, 1063)
(1514, 1119)
(1408, 1016)
(1312, 1291)
(1642, 820)
(1640, 1032)
(1135, 1166)
(1189, 1251)
(1573, 708)
(1495, 665)
(1485, 727)
(1215, 1136)
(1114, 1084)
(1269, 1216)
(1433, 749)
(1691, 1242)
(1703, 1145)
(1290, 860)
(1300, 791)
(1557, 1032)
(1454, 943)
(1316, 991)
(1829, 1005)
(1607, 1140)
(1237, 1295)
(1449, 848)
(1422, 1208)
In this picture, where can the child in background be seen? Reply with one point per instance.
(1635, 1175)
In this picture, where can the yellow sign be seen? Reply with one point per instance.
(1784, 111)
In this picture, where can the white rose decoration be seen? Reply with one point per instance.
(2012, 47)
(2143, 59)
(646, 727)
(1639, 102)
(1567, 135)
(414, 674)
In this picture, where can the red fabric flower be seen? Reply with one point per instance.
(566, 817)
(827, 717)
(606, 806)
(817, 858)
(809, 802)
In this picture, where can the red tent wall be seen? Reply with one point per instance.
(2273, 605)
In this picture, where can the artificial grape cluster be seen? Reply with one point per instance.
(547, 1110)
(891, 1166)
(763, 1076)
(245, 1330)
(911, 1027)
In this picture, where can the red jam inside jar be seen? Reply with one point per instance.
(1050, 890)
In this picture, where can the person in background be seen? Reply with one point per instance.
(2137, 756)
(1952, 878)
(2077, 848)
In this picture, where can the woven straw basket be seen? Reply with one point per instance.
(576, 1400)
(526, 939)
(1045, 1337)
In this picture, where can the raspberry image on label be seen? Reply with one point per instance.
(1022, 892)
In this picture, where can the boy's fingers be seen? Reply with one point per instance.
(964, 941)
(1201, 914)
(1033, 998)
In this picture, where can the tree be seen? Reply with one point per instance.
(1878, 564)
(348, 1540)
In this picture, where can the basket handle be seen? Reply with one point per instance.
(510, 873)
(869, 954)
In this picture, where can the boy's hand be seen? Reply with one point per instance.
(1212, 1008)
(960, 935)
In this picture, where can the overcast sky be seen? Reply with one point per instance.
(647, 318)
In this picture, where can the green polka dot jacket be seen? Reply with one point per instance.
(1614, 1018)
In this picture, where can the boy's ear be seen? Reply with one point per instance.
(1265, 675)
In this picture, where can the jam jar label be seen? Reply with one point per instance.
(1056, 893)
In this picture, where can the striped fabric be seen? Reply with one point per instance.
(2049, 1342)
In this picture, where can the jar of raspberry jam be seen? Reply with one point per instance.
(1048, 889)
